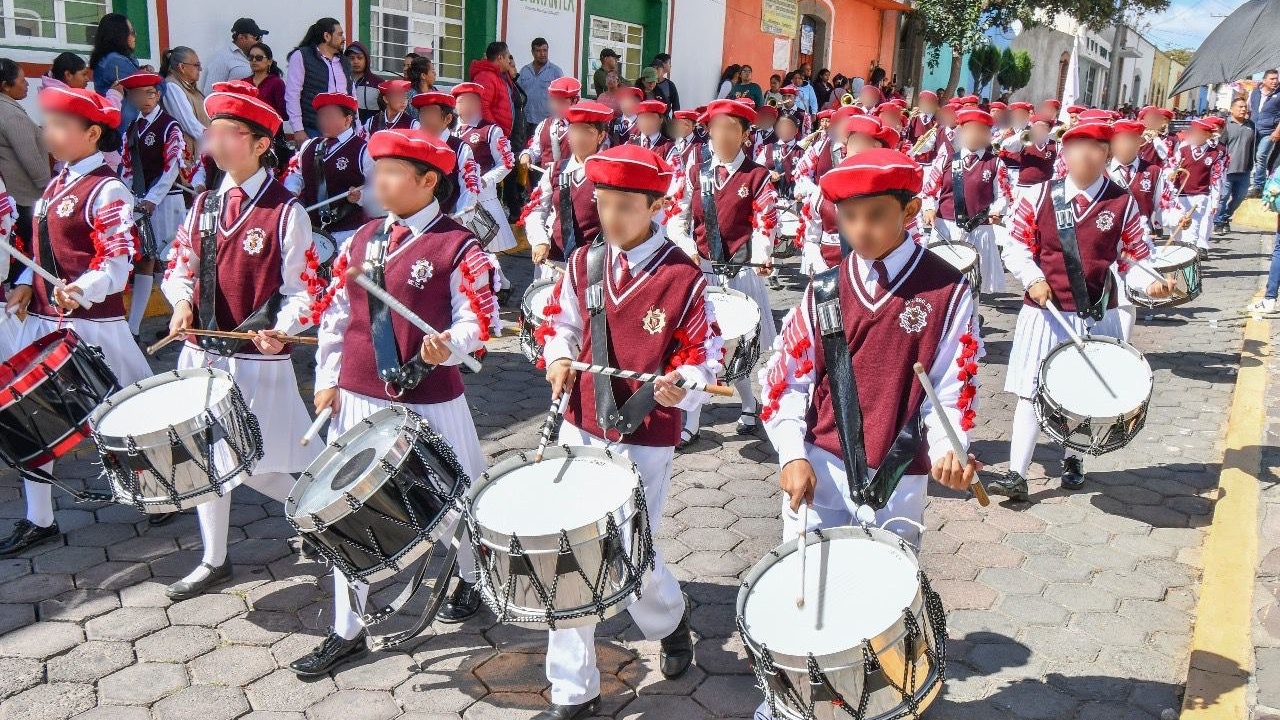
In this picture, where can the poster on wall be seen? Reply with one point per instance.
(781, 54)
(548, 7)
(806, 38)
(779, 17)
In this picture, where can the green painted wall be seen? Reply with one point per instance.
(136, 11)
(480, 27)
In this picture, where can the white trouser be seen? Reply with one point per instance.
(571, 653)
(1202, 213)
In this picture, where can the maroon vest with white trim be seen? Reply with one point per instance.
(1034, 164)
(978, 180)
(1199, 165)
(642, 326)
(1098, 237)
(906, 326)
(546, 154)
(71, 230)
(734, 202)
(341, 169)
(585, 215)
(1142, 186)
(151, 149)
(418, 275)
(831, 254)
(1149, 151)
(403, 121)
(478, 138)
(459, 183)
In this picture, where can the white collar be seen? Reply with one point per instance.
(343, 136)
(250, 186)
(83, 167)
(235, 50)
(639, 255)
(1091, 192)
(151, 116)
(1133, 164)
(733, 165)
(417, 222)
(894, 262)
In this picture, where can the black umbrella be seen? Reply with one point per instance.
(1242, 44)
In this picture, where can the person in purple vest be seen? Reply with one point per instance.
(562, 212)
(325, 167)
(653, 314)
(974, 172)
(396, 115)
(1200, 167)
(550, 141)
(84, 233)
(153, 151)
(492, 151)
(244, 260)
(1109, 231)
(735, 248)
(430, 263)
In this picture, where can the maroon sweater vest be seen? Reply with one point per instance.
(150, 144)
(1098, 237)
(546, 154)
(824, 161)
(341, 167)
(585, 215)
(70, 235)
(1149, 152)
(734, 203)
(1035, 165)
(1200, 166)
(979, 181)
(436, 254)
(916, 130)
(250, 254)
(403, 121)
(831, 254)
(776, 155)
(908, 328)
(662, 287)
(478, 138)
(1142, 186)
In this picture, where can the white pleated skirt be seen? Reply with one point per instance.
(451, 419)
(165, 221)
(121, 351)
(1036, 334)
(506, 238)
(752, 285)
(987, 239)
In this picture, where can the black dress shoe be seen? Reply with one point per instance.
(183, 590)
(677, 648)
(570, 712)
(462, 605)
(686, 439)
(1072, 473)
(26, 534)
(158, 519)
(1011, 485)
(330, 653)
(747, 428)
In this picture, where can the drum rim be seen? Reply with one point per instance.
(160, 436)
(843, 659)
(1057, 407)
(334, 245)
(24, 375)
(1139, 297)
(528, 295)
(941, 243)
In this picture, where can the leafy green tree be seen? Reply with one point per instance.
(984, 63)
(1015, 70)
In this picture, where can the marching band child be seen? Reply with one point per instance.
(332, 164)
(624, 126)
(431, 264)
(492, 152)
(737, 243)
(244, 260)
(1198, 191)
(650, 135)
(921, 122)
(549, 143)
(395, 96)
(652, 313)
(1033, 162)
(824, 154)
(1158, 144)
(926, 151)
(685, 142)
(1020, 114)
(83, 234)
(1108, 231)
(437, 117)
(1143, 178)
(762, 129)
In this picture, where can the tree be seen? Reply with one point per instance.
(1182, 56)
(984, 63)
(1015, 70)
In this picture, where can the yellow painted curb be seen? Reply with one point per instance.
(1222, 642)
(1253, 215)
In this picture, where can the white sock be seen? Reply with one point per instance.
(692, 419)
(138, 305)
(346, 623)
(39, 500)
(215, 517)
(748, 395)
(1026, 430)
(1128, 318)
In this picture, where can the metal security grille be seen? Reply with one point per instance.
(57, 23)
(399, 27)
(624, 38)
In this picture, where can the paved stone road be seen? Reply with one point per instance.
(1266, 630)
(1072, 607)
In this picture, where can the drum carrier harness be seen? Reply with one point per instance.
(261, 319)
(1065, 219)
(386, 350)
(626, 419)
(711, 226)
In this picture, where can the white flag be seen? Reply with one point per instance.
(1071, 88)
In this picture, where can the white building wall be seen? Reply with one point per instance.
(555, 20)
(697, 44)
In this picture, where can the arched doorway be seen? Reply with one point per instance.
(815, 35)
(1064, 64)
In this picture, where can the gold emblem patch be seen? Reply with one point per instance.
(654, 321)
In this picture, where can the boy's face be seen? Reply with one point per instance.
(66, 135)
(727, 136)
(332, 120)
(557, 106)
(786, 129)
(625, 216)
(397, 101)
(975, 136)
(1039, 132)
(1086, 159)
(432, 119)
(399, 188)
(468, 105)
(680, 128)
(230, 144)
(1124, 147)
(1019, 118)
(649, 123)
(584, 139)
(627, 104)
(144, 98)
(873, 226)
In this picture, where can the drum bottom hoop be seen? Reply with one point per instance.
(1065, 428)
(63, 402)
(744, 360)
(529, 347)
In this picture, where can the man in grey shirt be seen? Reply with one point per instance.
(1240, 138)
(535, 78)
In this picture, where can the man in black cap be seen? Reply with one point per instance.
(232, 61)
(608, 64)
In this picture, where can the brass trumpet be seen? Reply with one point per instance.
(772, 102)
(1150, 135)
(810, 138)
(924, 139)
(847, 99)
(1025, 136)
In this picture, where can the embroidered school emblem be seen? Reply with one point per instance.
(742, 191)
(986, 175)
(473, 138)
(1208, 161)
(654, 321)
(149, 140)
(1146, 184)
(67, 206)
(342, 163)
(1106, 220)
(915, 316)
(420, 273)
(255, 240)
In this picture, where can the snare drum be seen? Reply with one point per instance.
(562, 542)
(535, 298)
(788, 227)
(1093, 401)
(961, 256)
(380, 496)
(176, 440)
(738, 317)
(51, 387)
(870, 641)
(326, 251)
(1179, 262)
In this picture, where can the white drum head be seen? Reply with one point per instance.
(361, 454)
(960, 256)
(1075, 386)
(326, 246)
(1175, 255)
(855, 589)
(537, 297)
(736, 314)
(556, 494)
(164, 405)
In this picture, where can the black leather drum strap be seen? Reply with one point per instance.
(139, 182)
(1065, 219)
(210, 212)
(627, 419)
(146, 234)
(568, 219)
(322, 186)
(47, 259)
(957, 191)
(710, 220)
(386, 351)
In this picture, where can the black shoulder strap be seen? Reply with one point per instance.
(710, 220)
(210, 210)
(317, 159)
(1065, 219)
(47, 260)
(626, 419)
(386, 350)
(957, 190)
(567, 217)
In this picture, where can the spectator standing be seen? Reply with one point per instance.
(267, 77)
(744, 88)
(68, 70)
(822, 87)
(1264, 109)
(112, 59)
(648, 83)
(421, 75)
(1241, 137)
(608, 97)
(608, 64)
(490, 73)
(806, 96)
(24, 163)
(667, 91)
(775, 88)
(728, 79)
(180, 68)
(535, 80)
(513, 187)
(364, 81)
(316, 66)
(231, 62)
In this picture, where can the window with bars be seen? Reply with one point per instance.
(399, 27)
(59, 23)
(624, 38)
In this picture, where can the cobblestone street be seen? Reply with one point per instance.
(1071, 607)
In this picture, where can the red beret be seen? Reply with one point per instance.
(1204, 124)
(466, 87)
(731, 108)
(968, 115)
(952, 105)
(565, 88)
(926, 94)
(630, 168)
(79, 101)
(331, 98)
(1128, 127)
(1022, 105)
(863, 125)
(997, 105)
(902, 104)
(245, 108)
(588, 111)
(889, 137)
(1051, 101)
(239, 87)
(414, 145)
(788, 90)
(140, 80)
(1093, 115)
(631, 90)
(1099, 131)
(1073, 109)
(1219, 122)
(885, 107)
(869, 88)
(442, 99)
(1046, 119)
(1153, 110)
(657, 107)
(769, 110)
(847, 111)
(826, 114)
(395, 86)
(872, 172)
(969, 100)
(690, 115)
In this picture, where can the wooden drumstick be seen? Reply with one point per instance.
(153, 349)
(979, 490)
(330, 201)
(458, 215)
(44, 274)
(403, 311)
(314, 430)
(548, 426)
(802, 546)
(721, 390)
(238, 335)
(555, 267)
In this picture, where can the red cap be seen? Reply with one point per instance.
(868, 88)
(847, 111)
(1204, 124)
(926, 94)
(239, 87)
(442, 99)
(997, 105)
(395, 86)
(826, 114)
(414, 145)
(1153, 110)
(731, 108)
(889, 137)
(863, 125)
(565, 88)
(1073, 109)
(1051, 101)
(872, 172)
(631, 90)
(245, 108)
(690, 115)
(140, 80)
(788, 90)
(969, 100)
(1093, 115)
(887, 107)
(80, 101)
(332, 98)
(657, 107)
(968, 115)
(953, 105)
(630, 168)
(1099, 131)
(769, 110)
(1128, 127)
(1046, 119)
(1022, 105)
(466, 87)
(588, 111)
